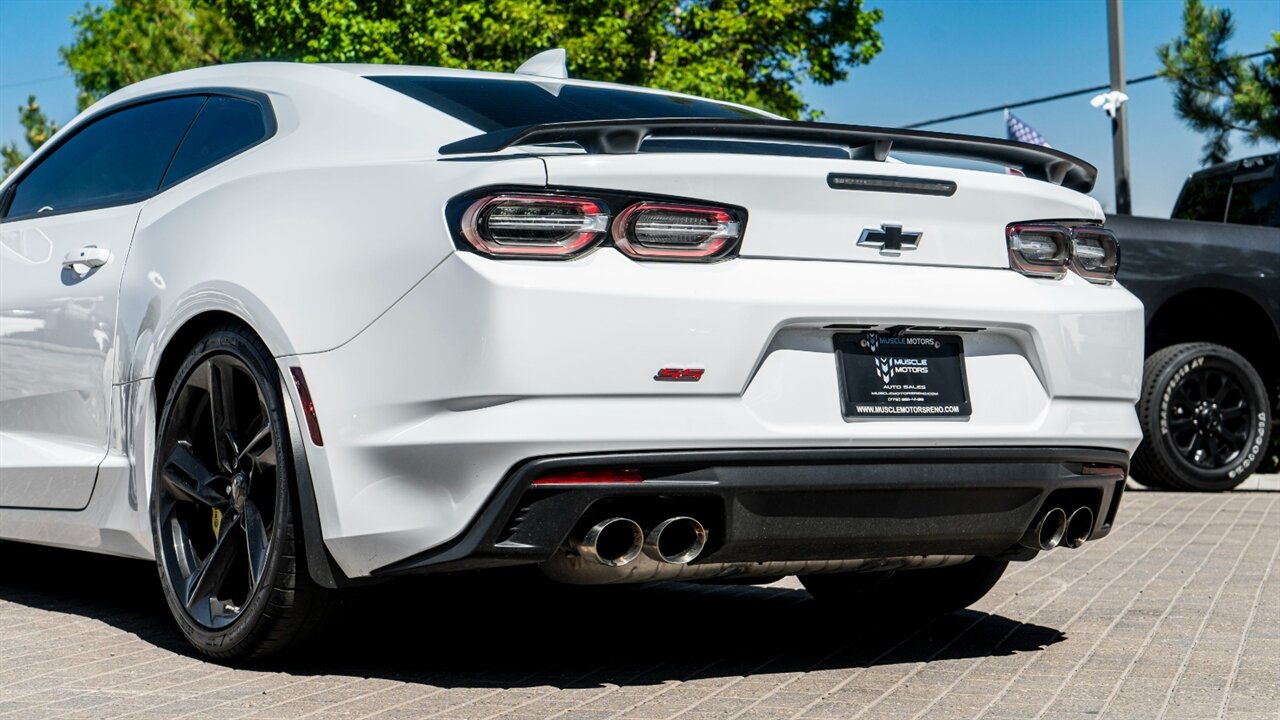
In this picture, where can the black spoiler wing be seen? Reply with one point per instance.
(612, 137)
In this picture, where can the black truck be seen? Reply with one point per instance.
(1210, 281)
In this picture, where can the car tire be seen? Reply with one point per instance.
(228, 542)
(915, 593)
(1205, 416)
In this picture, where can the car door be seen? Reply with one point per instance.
(65, 230)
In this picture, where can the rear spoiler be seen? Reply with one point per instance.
(614, 137)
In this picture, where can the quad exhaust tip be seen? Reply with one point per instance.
(1079, 527)
(1047, 533)
(677, 540)
(613, 542)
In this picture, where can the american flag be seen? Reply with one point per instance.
(1023, 132)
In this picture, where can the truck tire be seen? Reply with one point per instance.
(1205, 418)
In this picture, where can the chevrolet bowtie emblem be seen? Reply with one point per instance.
(890, 239)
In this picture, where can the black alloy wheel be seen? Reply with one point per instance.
(217, 491)
(1205, 417)
(1209, 418)
(222, 504)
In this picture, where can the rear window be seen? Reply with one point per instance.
(224, 127)
(491, 104)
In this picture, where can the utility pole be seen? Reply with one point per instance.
(1120, 122)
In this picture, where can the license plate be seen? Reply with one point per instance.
(902, 376)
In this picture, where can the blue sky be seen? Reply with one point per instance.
(941, 57)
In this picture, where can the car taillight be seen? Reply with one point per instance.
(1039, 250)
(1099, 469)
(547, 226)
(665, 231)
(1095, 253)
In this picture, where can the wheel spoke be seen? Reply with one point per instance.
(255, 533)
(187, 477)
(221, 413)
(1215, 452)
(208, 578)
(1224, 384)
(1187, 447)
(1240, 435)
(1182, 395)
(1238, 410)
(1179, 423)
(260, 448)
(1197, 445)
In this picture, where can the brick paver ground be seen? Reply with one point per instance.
(1176, 615)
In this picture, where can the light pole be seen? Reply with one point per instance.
(1119, 121)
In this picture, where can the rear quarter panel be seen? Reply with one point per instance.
(309, 236)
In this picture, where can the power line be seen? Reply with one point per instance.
(33, 81)
(1051, 98)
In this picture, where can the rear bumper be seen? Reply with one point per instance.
(487, 364)
(797, 504)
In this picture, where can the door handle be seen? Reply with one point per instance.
(90, 256)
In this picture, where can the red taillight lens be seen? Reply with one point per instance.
(1109, 470)
(548, 226)
(589, 477)
(1039, 250)
(1095, 253)
(662, 231)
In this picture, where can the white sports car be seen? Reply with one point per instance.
(286, 328)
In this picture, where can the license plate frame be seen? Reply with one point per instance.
(886, 376)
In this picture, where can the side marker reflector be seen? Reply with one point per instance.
(308, 407)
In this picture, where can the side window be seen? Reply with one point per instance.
(113, 160)
(1256, 202)
(1204, 199)
(223, 128)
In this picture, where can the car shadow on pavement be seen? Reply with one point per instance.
(518, 631)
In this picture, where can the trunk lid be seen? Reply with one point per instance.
(819, 208)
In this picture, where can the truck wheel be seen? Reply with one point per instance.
(905, 593)
(1205, 418)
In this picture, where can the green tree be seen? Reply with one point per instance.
(1216, 92)
(38, 128)
(751, 51)
(756, 52)
(129, 41)
(133, 40)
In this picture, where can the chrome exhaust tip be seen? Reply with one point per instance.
(1047, 532)
(677, 540)
(1079, 528)
(613, 542)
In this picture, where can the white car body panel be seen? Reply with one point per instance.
(415, 457)
(794, 214)
(435, 371)
(56, 351)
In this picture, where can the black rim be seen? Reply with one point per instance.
(1208, 416)
(217, 490)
